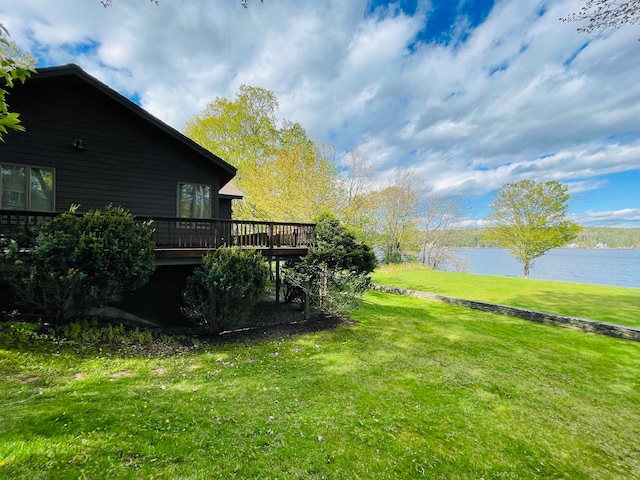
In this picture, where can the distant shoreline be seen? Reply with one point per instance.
(593, 238)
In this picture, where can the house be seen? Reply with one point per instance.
(87, 144)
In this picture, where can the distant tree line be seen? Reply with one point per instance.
(589, 237)
(609, 237)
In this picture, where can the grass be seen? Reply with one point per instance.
(604, 303)
(414, 389)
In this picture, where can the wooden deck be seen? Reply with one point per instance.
(180, 240)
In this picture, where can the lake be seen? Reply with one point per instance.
(584, 265)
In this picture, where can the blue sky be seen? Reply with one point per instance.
(469, 95)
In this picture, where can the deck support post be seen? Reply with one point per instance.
(277, 280)
(307, 301)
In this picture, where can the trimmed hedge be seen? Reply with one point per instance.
(221, 292)
(78, 262)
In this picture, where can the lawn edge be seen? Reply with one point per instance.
(565, 321)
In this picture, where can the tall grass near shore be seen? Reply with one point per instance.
(414, 389)
(597, 302)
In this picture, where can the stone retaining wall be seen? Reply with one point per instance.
(586, 325)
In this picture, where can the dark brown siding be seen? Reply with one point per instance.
(225, 208)
(125, 160)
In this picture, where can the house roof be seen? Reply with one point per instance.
(231, 190)
(74, 71)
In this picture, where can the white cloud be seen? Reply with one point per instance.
(625, 218)
(524, 96)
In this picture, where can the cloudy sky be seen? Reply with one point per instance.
(470, 94)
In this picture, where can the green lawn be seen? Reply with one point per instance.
(608, 304)
(414, 389)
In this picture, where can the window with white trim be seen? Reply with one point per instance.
(25, 187)
(194, 201)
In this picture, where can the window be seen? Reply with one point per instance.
(24, 187)
(194, 201)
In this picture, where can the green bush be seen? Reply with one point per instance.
(335, 273)
(79, 262)
(221, 293)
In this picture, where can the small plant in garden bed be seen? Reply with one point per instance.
(93, 335)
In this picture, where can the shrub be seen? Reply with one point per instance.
(79, 262)
(221, 293)
(335, 273)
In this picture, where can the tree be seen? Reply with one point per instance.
(357, 209)
(335, 273)
(243, 131)
(282, 173)
(440, 220)
(397, 213)
(297, 183)
(14, 66)
(529, 219)
(603, 14)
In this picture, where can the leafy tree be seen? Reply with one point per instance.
(243, 131)
(397, 213)
(14, 66)
(335, 273)
(77, 262)
(529, 219)
(282, 173)
(221, 292)
(603, 14)
(294, 185)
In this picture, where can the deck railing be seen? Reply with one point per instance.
(215, 233)
(184, 233)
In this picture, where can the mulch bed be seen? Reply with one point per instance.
(271, 321)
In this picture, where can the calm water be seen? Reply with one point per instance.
(601, 266)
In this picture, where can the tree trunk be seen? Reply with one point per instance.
(526, 269)
(324, 288)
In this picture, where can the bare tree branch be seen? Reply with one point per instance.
(603, 14)
(108, 3)
(245, 3)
